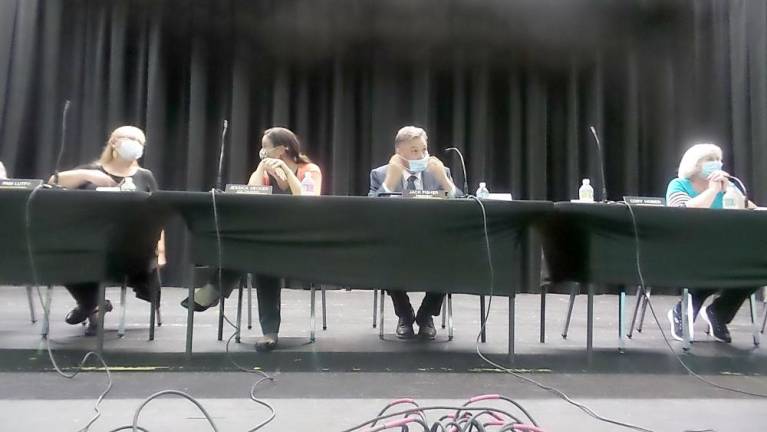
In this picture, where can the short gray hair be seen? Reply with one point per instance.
(690, 164)
(408, 133)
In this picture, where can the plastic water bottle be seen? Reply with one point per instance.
(732, 199)
(482, 192)
(127, 185)
(586, 192)
(307, 184)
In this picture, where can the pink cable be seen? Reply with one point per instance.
(529, 428)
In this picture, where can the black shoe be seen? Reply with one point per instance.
(675, 319)
(426, 328)
(405, 328)
(80, 314)
(267, 342)
(197, 307)
(92, 329)
(716, 327)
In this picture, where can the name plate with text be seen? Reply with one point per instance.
(425, 194)
(645, 201)
(20, 183)
(248, 189)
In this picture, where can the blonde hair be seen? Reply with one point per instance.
(690, 164)
(408, 133)
(132, 132)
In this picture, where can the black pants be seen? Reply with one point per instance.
(725, 306)
(268, 293)
(86, 294)
(430, 306)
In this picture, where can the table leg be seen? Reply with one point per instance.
(590, 319)
(685, 319)
(621, 319)
(100, 323)
(512, 313)
(544, 290)
(190, 313)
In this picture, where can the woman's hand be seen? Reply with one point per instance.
(718, 181)
(276, 168)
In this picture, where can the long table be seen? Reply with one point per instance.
(678, 247)
(76, 236)
(372, 243)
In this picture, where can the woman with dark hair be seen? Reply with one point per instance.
(283, 167)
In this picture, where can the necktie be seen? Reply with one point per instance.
(411, 182)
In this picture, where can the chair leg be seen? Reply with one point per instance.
(100, 324)
(221, 301)
(444, 313)
(324, 308)
(570, 305)
(31, 301)
(312, 317)
(645, 300)
(190, 314)
(764, 321)
(375, 308)
(542, 335)
(621, 319)
(635, 314)
(685, 319)
(243, 281)
(382, 293)
(47, 311)
(249, 283)
(754, 323)
(123, 309)
(482, 323)
(450, 317)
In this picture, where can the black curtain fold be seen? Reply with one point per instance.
(514, 85)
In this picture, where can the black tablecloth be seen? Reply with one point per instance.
(679, 247)
(77, 236)
(426, 245)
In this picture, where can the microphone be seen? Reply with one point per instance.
(219, 181)
(62, 144)
(742, 187)
(463, 167)
(601, 162)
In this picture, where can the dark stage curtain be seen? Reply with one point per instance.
(514, 84)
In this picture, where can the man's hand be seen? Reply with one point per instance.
(394, 171)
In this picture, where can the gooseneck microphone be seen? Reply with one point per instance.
(62, 143)
(601, 162)
(463, 167)
(219, 174)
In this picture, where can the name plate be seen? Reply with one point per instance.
(248, 189)
(425, 194)
(20, 183)
(645, 201)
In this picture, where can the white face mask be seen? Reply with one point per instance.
(130, 150)
(419, 165)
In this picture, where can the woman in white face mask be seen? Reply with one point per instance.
(118, 162)
(701, 183)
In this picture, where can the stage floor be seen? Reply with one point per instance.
(348, 374)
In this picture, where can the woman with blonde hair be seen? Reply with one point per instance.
(701, 183)
(118, 162)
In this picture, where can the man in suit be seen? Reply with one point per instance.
(411, 168)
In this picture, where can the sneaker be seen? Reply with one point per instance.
(716, 327)
(675, 319)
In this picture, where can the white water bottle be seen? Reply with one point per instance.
(307, 184)
(482, 192)
(732, 199)
(586, 192)
(127, 185)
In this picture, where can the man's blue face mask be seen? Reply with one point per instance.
(419, 165)
(709, 167)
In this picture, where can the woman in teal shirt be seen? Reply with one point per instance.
(701, 183)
